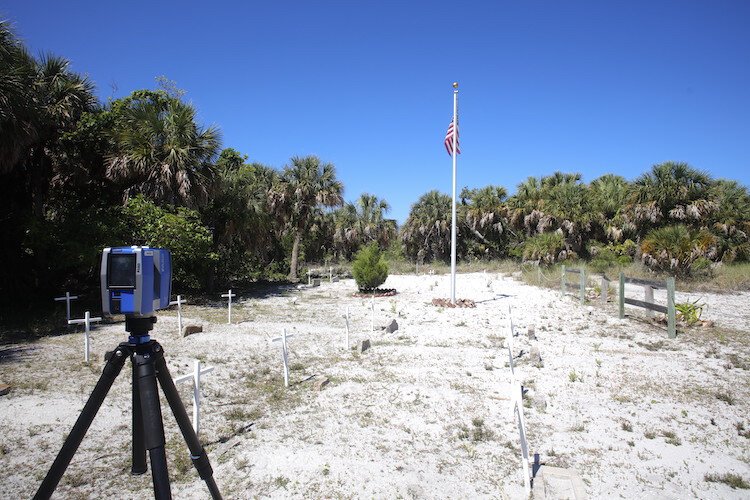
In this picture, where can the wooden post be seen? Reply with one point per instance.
(671, 313)
(622, 295)
(309, 279)
(562, 286)
(372, 311)
(67, 298)
(538, 275)
(87, 320)
(605, 289)
(330, 274)
(582, 274)
(648, 294)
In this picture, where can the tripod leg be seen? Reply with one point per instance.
(139, 450)
(69, 447)
(197, 453)
(153, 427)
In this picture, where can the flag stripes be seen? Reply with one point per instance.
(449, 139)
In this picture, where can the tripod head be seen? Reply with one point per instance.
(138, 328)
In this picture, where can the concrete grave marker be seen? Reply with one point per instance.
(229, 296)
(391, 327)
(179, 303)
(87, 320)
(67, 298)
(284, 354)
(195, 377)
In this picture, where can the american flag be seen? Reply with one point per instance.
(449, 139)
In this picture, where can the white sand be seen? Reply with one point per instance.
(423, 413)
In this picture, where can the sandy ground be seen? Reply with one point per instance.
(423, 413)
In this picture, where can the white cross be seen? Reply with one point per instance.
(330, 274)
(284, 354)
(68, 297)
(309, 279)
(509, 341)
(87, 320)
(372, 315)
(516, 401)
(178, 303)
(229, 310)
(195, 377)
(346, 345)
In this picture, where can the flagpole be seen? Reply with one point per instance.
(453, 208)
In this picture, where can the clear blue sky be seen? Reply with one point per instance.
(587, 86)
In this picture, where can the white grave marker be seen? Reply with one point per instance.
(330, 274)
(87, 320)
(229, 296)
(178, 303)
(284, 354)
(372, 315)
(68, 297)
(309, 277)
(346, 345)
(517, 411)
(195, 377)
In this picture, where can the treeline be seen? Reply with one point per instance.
(673, 218)
(77, 175)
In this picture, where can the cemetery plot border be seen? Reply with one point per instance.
(581, 282)
(648, 303)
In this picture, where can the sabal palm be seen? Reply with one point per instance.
(427, 231)
(484, 212)
(161, 152)
(17, 110)
(361, 223)
(670, 185)
(304, 187)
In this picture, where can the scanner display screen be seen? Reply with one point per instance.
(121, 271)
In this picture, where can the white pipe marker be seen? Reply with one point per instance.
(195, 377)
(229, 296)
(87, 320)
(179, 303)
(67, 298)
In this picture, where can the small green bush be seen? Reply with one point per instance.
(369, 268)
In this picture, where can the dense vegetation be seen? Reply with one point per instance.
(77, 174)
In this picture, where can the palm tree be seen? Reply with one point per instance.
(17, 111)
(159, 151)
(303, 188)
(427, 232)
(361, 223)
(485, 215)
(672, 190)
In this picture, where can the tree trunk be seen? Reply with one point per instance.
(295, 256)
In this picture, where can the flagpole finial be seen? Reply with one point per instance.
(455, 85)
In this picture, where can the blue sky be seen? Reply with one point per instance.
(584, 86)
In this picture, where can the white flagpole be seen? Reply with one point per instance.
(453, 208)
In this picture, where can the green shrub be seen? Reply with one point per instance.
(369, 268)
(181, 232)
(676, 248)
(545, 247)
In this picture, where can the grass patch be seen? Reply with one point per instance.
(726, 397)
(734, 481)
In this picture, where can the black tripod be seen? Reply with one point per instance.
(147, 358)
